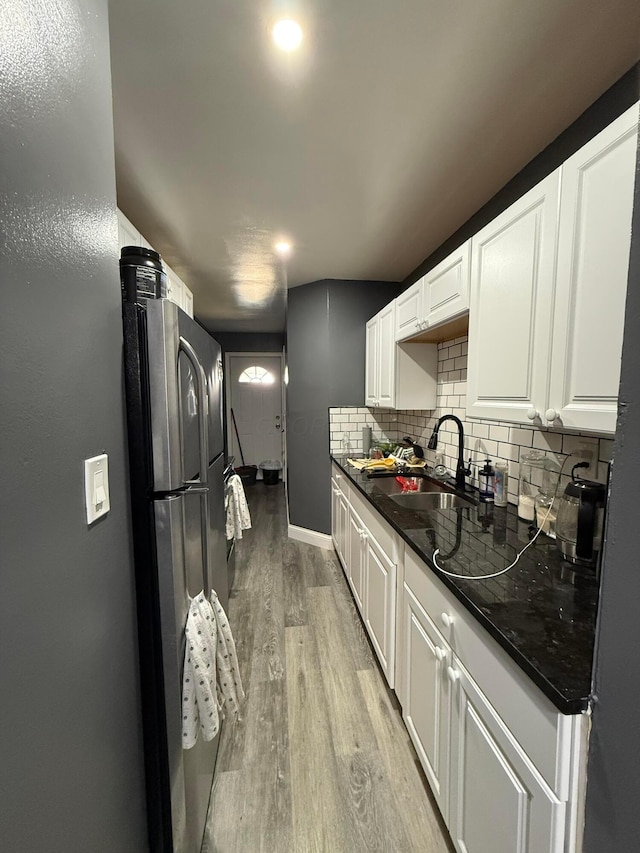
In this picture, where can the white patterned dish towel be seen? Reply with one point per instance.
(199, 699)
(238, 518)
(211, 683)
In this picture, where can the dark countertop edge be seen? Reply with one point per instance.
(564, 705)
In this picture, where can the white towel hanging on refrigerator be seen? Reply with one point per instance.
(238, 518)
(199, 694)
(230, 691)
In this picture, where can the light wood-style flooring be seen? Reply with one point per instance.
(319, 761)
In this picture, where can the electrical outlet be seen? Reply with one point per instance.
(586, 452)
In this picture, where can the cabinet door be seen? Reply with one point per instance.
(512, 276)
(499, 802)
(380, 604)
(337, 530)
(386, 356)
(187, 300)
(409, 312)
(596, 207)
(127, 234)
(426, 705)
(355, 549)
(371, 364)
(446, 287)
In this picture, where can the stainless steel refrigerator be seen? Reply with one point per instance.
(173, 379)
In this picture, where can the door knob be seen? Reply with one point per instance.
(551, 414)
(439, 653)
(532, 414)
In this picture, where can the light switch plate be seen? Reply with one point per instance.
(96, 487)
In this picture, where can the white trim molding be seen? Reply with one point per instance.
(311, 537)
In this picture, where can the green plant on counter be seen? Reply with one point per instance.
(384, 446)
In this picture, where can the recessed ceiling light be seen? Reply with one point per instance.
(283, 247)
(287, 34)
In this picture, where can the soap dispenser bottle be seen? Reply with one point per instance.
(486, 482)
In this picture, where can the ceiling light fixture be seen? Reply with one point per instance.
(287, 34)
(283, 248)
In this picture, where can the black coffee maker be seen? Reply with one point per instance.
(579, 523)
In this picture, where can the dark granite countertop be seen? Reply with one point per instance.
(541, 611)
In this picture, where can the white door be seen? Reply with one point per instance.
(426, 698)
(254, 383)
(512, 276)
(447, 287)
(379, 586)
(371, 371)
(499, 802)
(596, 206)
(387, 356)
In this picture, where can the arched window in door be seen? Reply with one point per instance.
(256, 375)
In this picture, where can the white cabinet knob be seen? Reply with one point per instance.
(551, 414)
(417, 324)
(425, 323)
(532, 414)
(452, 674)
(446, 620)
(439, 653)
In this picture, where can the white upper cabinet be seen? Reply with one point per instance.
(177, 290)
(596, 207)
(127, 234)
(410, 319)
(398, 376)
(512, 276)
(446, 287)
(548, 287)
(438, 297)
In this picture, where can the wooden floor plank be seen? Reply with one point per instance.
(420, 815)
(319, 760)
(319, 820)
(295, 588)
(350, 729)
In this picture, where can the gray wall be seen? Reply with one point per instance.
(613, 793)
(71, 769)
(326, 358)
(250, 341)
(609, 106)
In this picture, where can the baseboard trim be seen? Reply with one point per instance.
(311, 537)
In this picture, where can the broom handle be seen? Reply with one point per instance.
(235, 426)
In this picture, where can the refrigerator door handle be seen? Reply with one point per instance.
(203, 491)
(203, 408)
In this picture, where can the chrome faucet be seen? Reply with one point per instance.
(462, 470)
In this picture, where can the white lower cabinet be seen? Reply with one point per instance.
(356, 557)
(426, 697)
(502, 787)
(339, 517)
(379, 603)
(367, 549)
(499, 802)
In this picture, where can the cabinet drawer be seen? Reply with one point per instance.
(545, 734)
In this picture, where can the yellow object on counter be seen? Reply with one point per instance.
(372, 464)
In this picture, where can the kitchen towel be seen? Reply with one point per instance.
(199, 695)
(230, 691)
(238, 518)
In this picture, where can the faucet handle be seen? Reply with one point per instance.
(467, 470)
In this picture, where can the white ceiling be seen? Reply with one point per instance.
(385, 132)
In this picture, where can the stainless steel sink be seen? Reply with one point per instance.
(431, 500)
(413, 485)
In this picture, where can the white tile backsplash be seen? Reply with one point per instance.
(495, 439)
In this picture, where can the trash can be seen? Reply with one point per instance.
(270, 471)
(247, 474)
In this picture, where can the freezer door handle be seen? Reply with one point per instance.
(203, 408)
